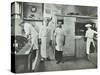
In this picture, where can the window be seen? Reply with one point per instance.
(80, 29)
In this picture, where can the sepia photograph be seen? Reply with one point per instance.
(53, 37)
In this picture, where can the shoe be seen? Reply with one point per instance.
(87, 57)
(62, 61)
(48, 59)
(42, 59)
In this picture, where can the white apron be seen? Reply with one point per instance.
(43, 35)
(59, 33)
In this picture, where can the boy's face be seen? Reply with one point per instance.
(59, 24)
(88, 27)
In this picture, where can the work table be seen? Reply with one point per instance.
(24, 61)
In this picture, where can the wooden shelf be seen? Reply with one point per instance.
(78, 16)
(30, 19)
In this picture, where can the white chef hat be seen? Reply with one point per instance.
(88, 25)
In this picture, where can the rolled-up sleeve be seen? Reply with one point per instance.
(95, 32)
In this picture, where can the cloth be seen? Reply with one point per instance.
(32, 33)
(59, 34)
(89, 35)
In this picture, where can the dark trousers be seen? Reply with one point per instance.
(33, 54)
(32, 58)
(92, 48)
(58, 55)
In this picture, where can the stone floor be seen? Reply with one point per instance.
(70, 63)
(67, 65)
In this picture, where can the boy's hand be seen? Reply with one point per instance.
(50, 43)
(39, 41)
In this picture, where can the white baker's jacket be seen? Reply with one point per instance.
(89, 34)
(30, 30)
(59, 33)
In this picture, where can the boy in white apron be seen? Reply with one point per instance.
(60, 42)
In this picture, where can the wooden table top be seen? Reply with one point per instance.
(25, 50)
